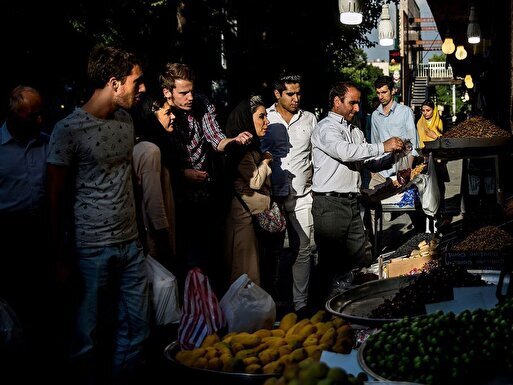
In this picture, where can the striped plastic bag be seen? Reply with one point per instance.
(201, 314)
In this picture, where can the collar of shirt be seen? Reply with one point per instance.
(5, 135)
(340, 119)
(272, 110)
(392, 109)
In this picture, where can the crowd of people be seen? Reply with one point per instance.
(132, 173)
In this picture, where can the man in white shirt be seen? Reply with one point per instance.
(288, 139)
(339, 151)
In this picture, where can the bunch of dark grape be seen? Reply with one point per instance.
(430, 286)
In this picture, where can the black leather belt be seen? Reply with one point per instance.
(351, 195)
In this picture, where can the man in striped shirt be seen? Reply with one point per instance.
(197, 135)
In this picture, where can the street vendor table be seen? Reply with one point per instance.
(390, 205)
(472, 148)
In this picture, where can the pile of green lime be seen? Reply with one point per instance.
(444, 348)
(316, 373)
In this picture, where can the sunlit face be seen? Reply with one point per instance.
(260, 121)
(384, 95)
(290, 97)
(166, 117)
(128, 93)
(181, 96)
(427, 112)
(349, 106)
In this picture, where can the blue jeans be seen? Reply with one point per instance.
(114, 304)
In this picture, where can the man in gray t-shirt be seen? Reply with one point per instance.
(89, 166)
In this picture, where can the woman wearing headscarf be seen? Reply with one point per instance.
(250, 173)
(430, 125)
(153, 123)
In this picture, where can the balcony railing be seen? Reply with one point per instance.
(434, 70)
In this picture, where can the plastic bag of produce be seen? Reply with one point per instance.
(247, 307)
(403, 163)
(202, 315)
(429, 193)
(164, 290)
(11, 332)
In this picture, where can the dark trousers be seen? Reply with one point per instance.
(198, 240)
(27, 286)
(340, 240)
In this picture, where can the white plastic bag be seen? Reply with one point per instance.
(164, 289)
(247, 307)
(11, 332)
(429, 193)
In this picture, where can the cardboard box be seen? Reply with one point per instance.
(403, 266)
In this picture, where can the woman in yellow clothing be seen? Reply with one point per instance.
(429, 126)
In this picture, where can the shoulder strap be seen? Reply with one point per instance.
(242, 202)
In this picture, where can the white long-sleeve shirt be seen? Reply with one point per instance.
(339, 150)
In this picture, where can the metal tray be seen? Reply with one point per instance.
(355, 304)
(462, 143)
(212, 377)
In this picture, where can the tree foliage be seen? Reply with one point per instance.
(363, 74)
(257, 39)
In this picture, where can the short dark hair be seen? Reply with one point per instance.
(429, 103)
(173, 72)
(384, 81)
(286, 78)
(340, 89)
(106, 62)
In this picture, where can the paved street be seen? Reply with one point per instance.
(397, 230)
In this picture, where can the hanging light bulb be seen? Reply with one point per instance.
(469, 83)
(448, 46)
(350, 11)
(385, 27)
(473, 29)
(461, 53)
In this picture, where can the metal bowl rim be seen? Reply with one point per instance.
(367, 370)
(171, 357)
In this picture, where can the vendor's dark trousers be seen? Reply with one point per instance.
(340, 240)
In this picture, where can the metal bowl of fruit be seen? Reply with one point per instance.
(390, 300)
(200, 376)
(443, 348)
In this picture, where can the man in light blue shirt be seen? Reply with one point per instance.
(24, 272)
(391, 119)
(23, 150)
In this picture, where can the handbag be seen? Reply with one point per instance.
(271, 220)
